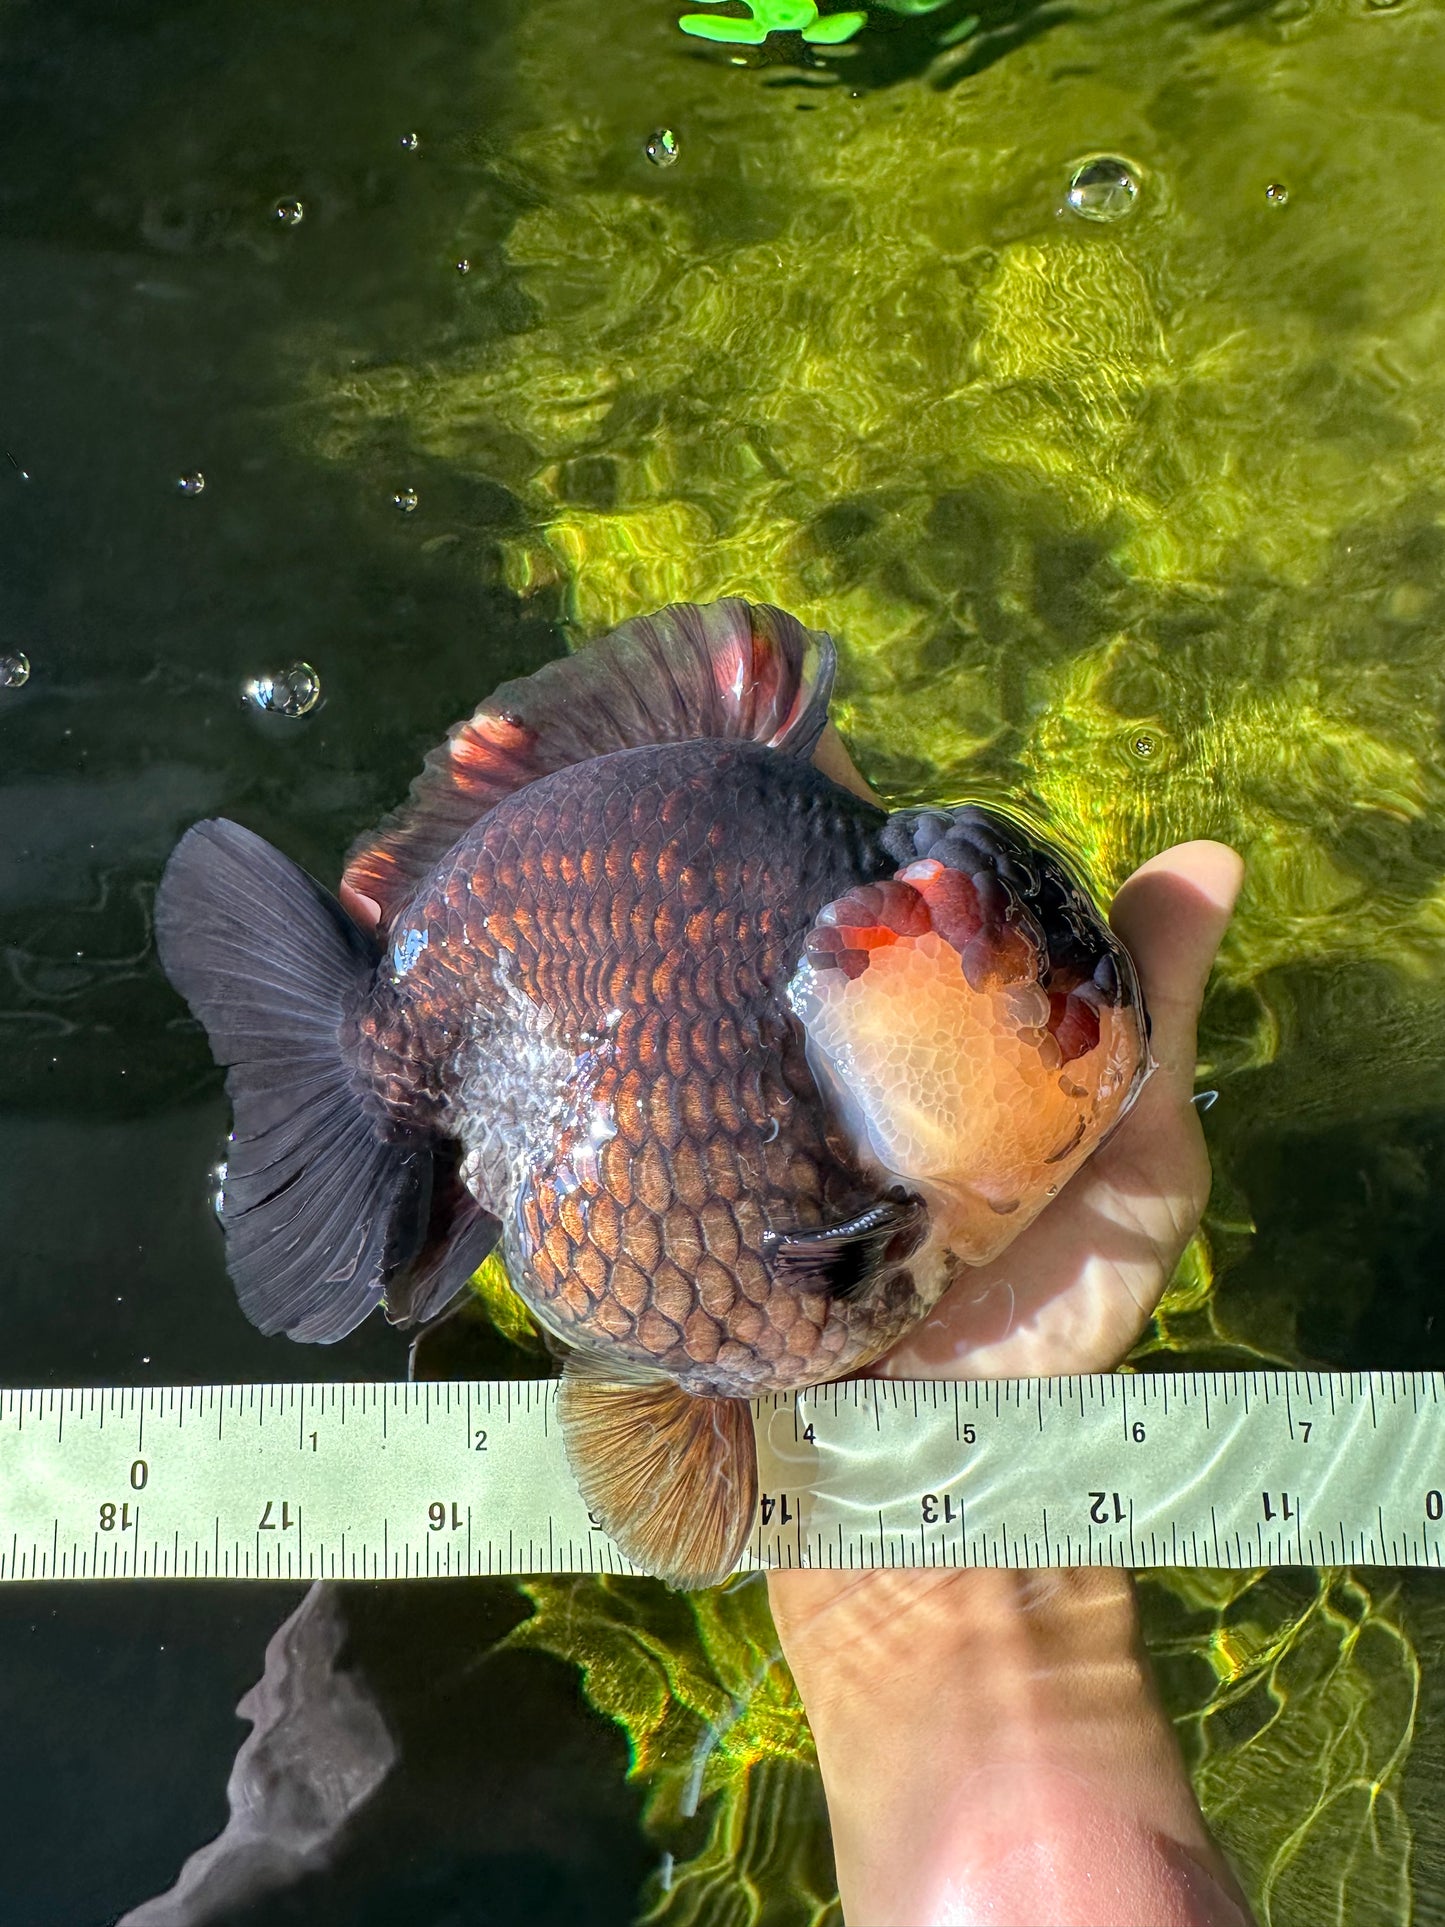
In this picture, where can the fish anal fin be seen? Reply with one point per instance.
(672, 1478)
(729, 669)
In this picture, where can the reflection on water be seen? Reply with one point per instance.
(398, 351)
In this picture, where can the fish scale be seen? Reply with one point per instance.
(660, 961)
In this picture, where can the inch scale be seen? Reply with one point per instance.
(413, 1481)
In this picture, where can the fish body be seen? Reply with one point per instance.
(589, 995)
(739, 1068)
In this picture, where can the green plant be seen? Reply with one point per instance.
(774, 16)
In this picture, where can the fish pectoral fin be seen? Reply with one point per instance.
(672, 1478)
(841, 1259)
(728, 669)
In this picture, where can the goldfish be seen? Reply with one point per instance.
(739, 1069)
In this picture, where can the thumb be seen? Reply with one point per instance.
(1171, 915)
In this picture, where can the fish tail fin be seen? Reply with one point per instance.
(673, 1478)
(325, 1197)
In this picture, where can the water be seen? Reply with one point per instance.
(1064, 488)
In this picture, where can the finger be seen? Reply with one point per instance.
(1171, 915)
(365, 912)
(833, 759)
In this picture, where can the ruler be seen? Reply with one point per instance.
(413, 1481)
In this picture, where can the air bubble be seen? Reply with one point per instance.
(218, 1187)
(1144, 744)
(290, 213)
(1204, 1100)
(411, 142)
(406, 501)
(192, 484)
(1276, 193)
(14, 670)
(1103, 189)
(661, 147)
(464, 266)
(290, 692)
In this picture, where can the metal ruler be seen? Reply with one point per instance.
(397, 1481)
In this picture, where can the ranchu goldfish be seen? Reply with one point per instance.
(741, 1069)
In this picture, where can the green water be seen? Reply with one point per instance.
(1139, 523)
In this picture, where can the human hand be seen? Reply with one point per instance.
(991, 1743)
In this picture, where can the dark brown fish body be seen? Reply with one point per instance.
(739, 1069)
(589, 993)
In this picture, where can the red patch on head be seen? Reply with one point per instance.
(836, 947)
(866, 919)
(951, 897)
(1074, 1021)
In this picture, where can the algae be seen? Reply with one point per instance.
(1140, 525)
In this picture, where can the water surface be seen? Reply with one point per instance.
(1139, 522)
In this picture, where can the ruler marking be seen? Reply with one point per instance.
(876, 1429)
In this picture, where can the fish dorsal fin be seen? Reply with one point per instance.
(673, 1478)
(721, 669)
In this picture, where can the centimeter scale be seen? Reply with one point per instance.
(409, 1481)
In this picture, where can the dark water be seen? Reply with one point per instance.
(1145, 525)
(143, 335)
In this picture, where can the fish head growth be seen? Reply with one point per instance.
(978, 1028)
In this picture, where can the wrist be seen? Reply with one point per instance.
(986, 1734)
(1021, 1658)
